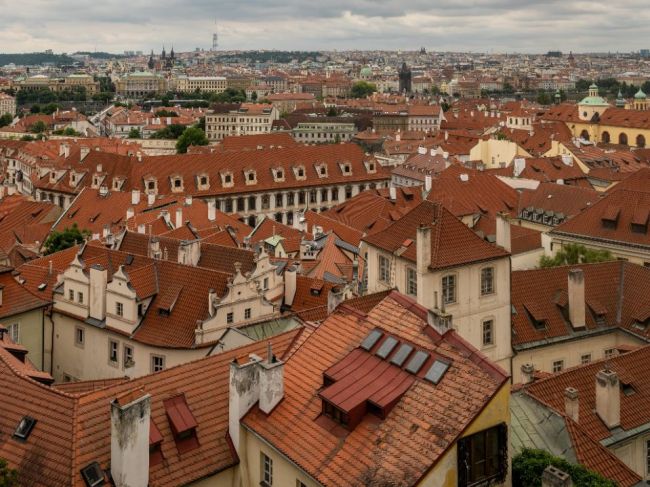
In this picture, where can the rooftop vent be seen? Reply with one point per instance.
(25, 427)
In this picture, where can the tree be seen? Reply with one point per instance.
(528, 467)
(201, 123)
(38, 127)
(49, 109)
(572, 254)
(362, 89)
(332, 112)
(165, 113)
(8, 476)
(191, 136)
(254, 96)
(135, 134)
(543, 98)
(64, 240)
(27, 138)
(173, 131)
(5, 119)
(230, 95)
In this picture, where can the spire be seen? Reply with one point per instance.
(164, 54)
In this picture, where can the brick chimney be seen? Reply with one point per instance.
(130, 420)
(571, 403)
(212, 210)
(97, 292)
(135, 197)
(608, 398)
(576, 292)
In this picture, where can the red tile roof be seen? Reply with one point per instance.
(422, 425)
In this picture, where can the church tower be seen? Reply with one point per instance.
(640, 100)
(151, 64)
(405, 79)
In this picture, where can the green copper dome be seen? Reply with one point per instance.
(640, 95)
(366, 72)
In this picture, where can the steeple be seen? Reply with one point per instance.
(151, 62)
(171, 54)
(163, 56)
(593, 90)
(620, 101)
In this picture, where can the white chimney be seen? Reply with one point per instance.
(289, 285)
(567, 159)
(99, 168)
(519, 166)
(393, 193)
(271, 382)
(423, 248)
(212, 210)
(464, 177)
(97, 293)
(179, 217)
(188, 200)
(608, 398)
(503, 232)
(83, 152)
(135, 197)
(151, 199)
(576, 292)
(130, 421)
(427, 182)
(422, 150)
(527, 373)
(244, 392)
(130, 213)
(141, 228)
(571, 403)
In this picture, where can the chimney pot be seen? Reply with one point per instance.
(571, 403)
(608, 398)
(576, 292)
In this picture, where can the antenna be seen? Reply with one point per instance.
(215, 37)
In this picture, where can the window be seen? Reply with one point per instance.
(267, 470)
(128, 356)
(488, 332)
(585, 358)
(79, 336)
(487, 280)
(112, 350)
(247, 314)
(411, 282)
(558, 366)
(610, 352)
(230, 318)
(384, 269)
(80, 297)
(119, 309)
(449, 289)
(647, 456)
(266, 283)
(14, 332)
(483, 457)
(71, 294)
(157, 363)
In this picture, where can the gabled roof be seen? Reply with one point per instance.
(558, 198)
(376, 450)
(452, 242)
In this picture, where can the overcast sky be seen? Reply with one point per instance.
(462, 25)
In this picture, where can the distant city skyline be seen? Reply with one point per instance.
(523, 26)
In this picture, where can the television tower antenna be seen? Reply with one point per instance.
(215, 37)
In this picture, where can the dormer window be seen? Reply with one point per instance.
(322, 170)
(250, 176)
(346, 168)
(370, 167)
(177, 184)
(151, 185)
(226, 179)
(278, 174)
(182, 423)
(203, 182)
(117, 183)
(299, 172)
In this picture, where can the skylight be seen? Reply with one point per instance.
(371, 339)
(416, 363)
(93, 475)
(24, 427)
(387, 347)
(436, 371)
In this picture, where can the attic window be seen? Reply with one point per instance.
(182, 423)
(335, 414)
(627, 389)
(24, 428)
(93, 475)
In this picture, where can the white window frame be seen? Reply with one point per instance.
(13, 331)
(267, 469)
(445, 288)
(113, 351)
(119, 308)
(127, 353)
(157, 367)
(557, 366)
(411, 282)
(484, 323)
(383, 269)
(484, 289)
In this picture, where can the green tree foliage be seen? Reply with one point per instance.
(572, 254)
(165, 113)
(49, 109)
(8, 476)
(135, 134)
(362, 89)
(528, 467)
(544, 98)
(68, 131)
(33, 58)
(5, 119)
(201, 123)
(230, 95)
(173, 131)
(38, 127)
(64, 240)
(332, 112)
(191, 136)
(27, 138)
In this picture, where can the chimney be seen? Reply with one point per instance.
(271, 382)
(244, 392)
(608, 398)
(571, 404)
(151, 199)
(393, 193)
(289, 285)
(141, 228)
(554, 477)
(503, 232)
(423, 249)
(130, 213)
(427, 182)
(188, 200)
(527, 373)
(179, 217)
(99, 168)
(135, 197)
(567, 159)
(422, 150)
(97, 293)
(212, 210)
(130, 421)
(576, 291)
(189, 252)
(83, 152)
(213, 300)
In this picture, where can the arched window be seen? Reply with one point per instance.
(640, 141)
(622, 138)
(584, 135)
(605, 137)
